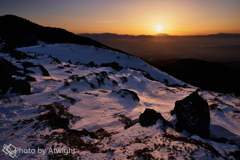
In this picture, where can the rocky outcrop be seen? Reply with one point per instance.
(30, 64)
(125, 92)
(150, 117)
(21, 86)
(193, 115)
(7, 69)
(30, 78)
(113, 65)
(56, 121)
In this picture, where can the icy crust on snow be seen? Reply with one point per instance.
(97, 96)
(86, 54)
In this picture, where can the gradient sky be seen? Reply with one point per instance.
(177, 17)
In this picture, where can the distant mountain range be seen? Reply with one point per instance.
(114, 35)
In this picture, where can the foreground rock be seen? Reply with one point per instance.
(193, 115)
(150, 117)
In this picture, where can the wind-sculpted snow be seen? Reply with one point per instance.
(94, 109)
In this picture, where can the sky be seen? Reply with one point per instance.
(135, 17)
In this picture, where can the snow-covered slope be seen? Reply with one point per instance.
(101, 100)
(86, 54)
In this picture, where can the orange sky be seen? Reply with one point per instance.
(177, 17)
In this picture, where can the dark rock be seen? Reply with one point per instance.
(68, 71)
(193, 115)
(56, 121)
(21, 86)
(91, 64)
(7, 69)
(134, 95)
(20, 74)
(83, 132)
(98, 134)
(61, 67)
(17, 54)
(30, 78)
(124, 92)
(101, 133)
(55, 59)
(124, 79)
(27, 71)
(30, 64)
(6, 72)
(144, 73)
(27, 64)
(91, 134)
(150, 117)
(125, 120)
(113, 65)
(67, 65)
(235, 154)
(44, 71)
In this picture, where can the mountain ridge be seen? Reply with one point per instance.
(115, 35)
(20, 32)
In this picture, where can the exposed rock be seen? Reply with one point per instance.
(27, 71)
(235, 154)
(134, 94)
(7, 69)
(30, 78)
(150, 117)
(98, 134)
(193, 115)
(125, 120)
(83, 132)
(144, 73)
(30, 64)
(27, 64)
(125, 92)
(124, 79)
(113, 65)
(56, 121)
(21, 86)
(91, 64)
(17, 54)
(44, 71)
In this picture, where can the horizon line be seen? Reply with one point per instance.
(165, 34)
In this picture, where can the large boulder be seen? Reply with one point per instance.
(150, 117)
(193, 115)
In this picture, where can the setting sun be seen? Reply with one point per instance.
(159, 28)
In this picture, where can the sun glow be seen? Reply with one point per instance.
(159, 28)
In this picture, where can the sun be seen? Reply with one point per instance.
(159, 28)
